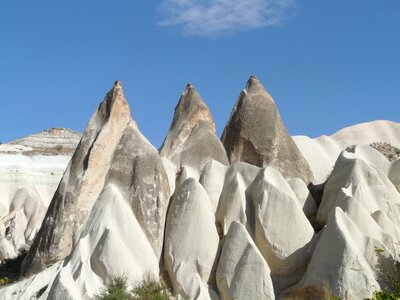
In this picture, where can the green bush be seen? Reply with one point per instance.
(150, 290)
(147, 290)
(5, 281)
(388, 270)
(117, 289)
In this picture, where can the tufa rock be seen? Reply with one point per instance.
(112, 151)
(255, 134)
(191, 139)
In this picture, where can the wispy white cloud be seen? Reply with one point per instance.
(215, 18)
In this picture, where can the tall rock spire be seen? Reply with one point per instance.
(82, 182)
(255, 134)
(191, 139)
(111, 156)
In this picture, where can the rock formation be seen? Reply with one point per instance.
(322, 152)
(242, 271)
(112, 151)
(252, 229)
(256, 134)
(191, 241)
(191, 139)
(30, 170)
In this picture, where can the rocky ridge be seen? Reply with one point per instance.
(30, 171)
(213, 228)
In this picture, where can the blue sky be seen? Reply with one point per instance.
(328, 64)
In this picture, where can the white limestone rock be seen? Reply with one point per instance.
(322, 152)
(280, 229)
(81, 184)
(394, 174)
(112, 243)
(242, 272)
(337, 262)
(191, 241)
(170, 170)
(112, 151)
(232, 205)
(30, 171)
(212, 178)
(362, 181)
(303, 195)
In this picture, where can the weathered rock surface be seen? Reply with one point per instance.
(281, 231)
(306, 200)
(256, 134)
(394, 174)
(52, 141)
(242, 272)
(364, 182)
(81, 184)
(337, 262)
(191, 139)
(361, 207)
(112, 151)
(232, 204)
(191, 241)
(30, 170)
(212, 179)
(322, 152)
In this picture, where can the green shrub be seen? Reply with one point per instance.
(147, 290)
(5, 281)
(388, 270)
(150, 290)
(117, 289)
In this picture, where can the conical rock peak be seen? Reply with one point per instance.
(191, 139)
(256, 134)
(81, 184)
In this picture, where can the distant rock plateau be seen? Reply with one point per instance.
(257, 214)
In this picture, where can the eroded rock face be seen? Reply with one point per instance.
(281, 231)
(81, 184)
(242, 272)
(138, 171)
(30, 171)
(338, 262)
(191, 139)
(191, 241)
(112, 150)
(256, 134)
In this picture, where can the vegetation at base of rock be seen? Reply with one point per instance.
(388, 270)
(150, 290)
(5, 281)
(10, 269)
(309, 292)
(147, 290)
